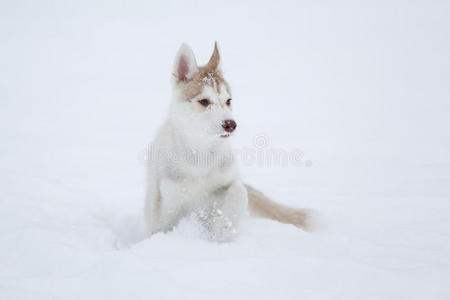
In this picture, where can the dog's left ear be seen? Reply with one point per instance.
(214, 61)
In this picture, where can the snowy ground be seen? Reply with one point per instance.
(361, 88)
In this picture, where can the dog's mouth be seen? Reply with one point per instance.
(225, 135)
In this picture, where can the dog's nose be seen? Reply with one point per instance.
(229, 125)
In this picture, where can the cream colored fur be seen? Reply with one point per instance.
(191, 168)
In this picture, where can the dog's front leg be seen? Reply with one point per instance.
(222, 217)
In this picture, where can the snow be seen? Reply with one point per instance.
(357, 90)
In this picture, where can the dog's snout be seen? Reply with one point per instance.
(229, 125)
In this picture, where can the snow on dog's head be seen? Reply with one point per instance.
(202, 98)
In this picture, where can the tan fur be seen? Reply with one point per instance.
(157, 208)
(213, 75)
(261, 206)
(213, 192)
(214, 61)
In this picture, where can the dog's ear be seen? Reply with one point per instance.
(185, 65)
(214, 61)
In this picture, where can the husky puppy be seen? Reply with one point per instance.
(191, 170)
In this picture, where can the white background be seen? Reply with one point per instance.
(362, 88)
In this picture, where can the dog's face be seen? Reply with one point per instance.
(202, 97)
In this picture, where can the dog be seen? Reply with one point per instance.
(191, 168)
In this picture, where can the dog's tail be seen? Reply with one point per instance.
(261, 206)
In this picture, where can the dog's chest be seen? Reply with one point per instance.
(194, 181)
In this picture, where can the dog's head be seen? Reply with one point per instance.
(202, 104)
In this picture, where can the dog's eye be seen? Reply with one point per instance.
(204, 102)
(229, 102)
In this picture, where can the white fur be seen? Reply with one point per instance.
(191, 167)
